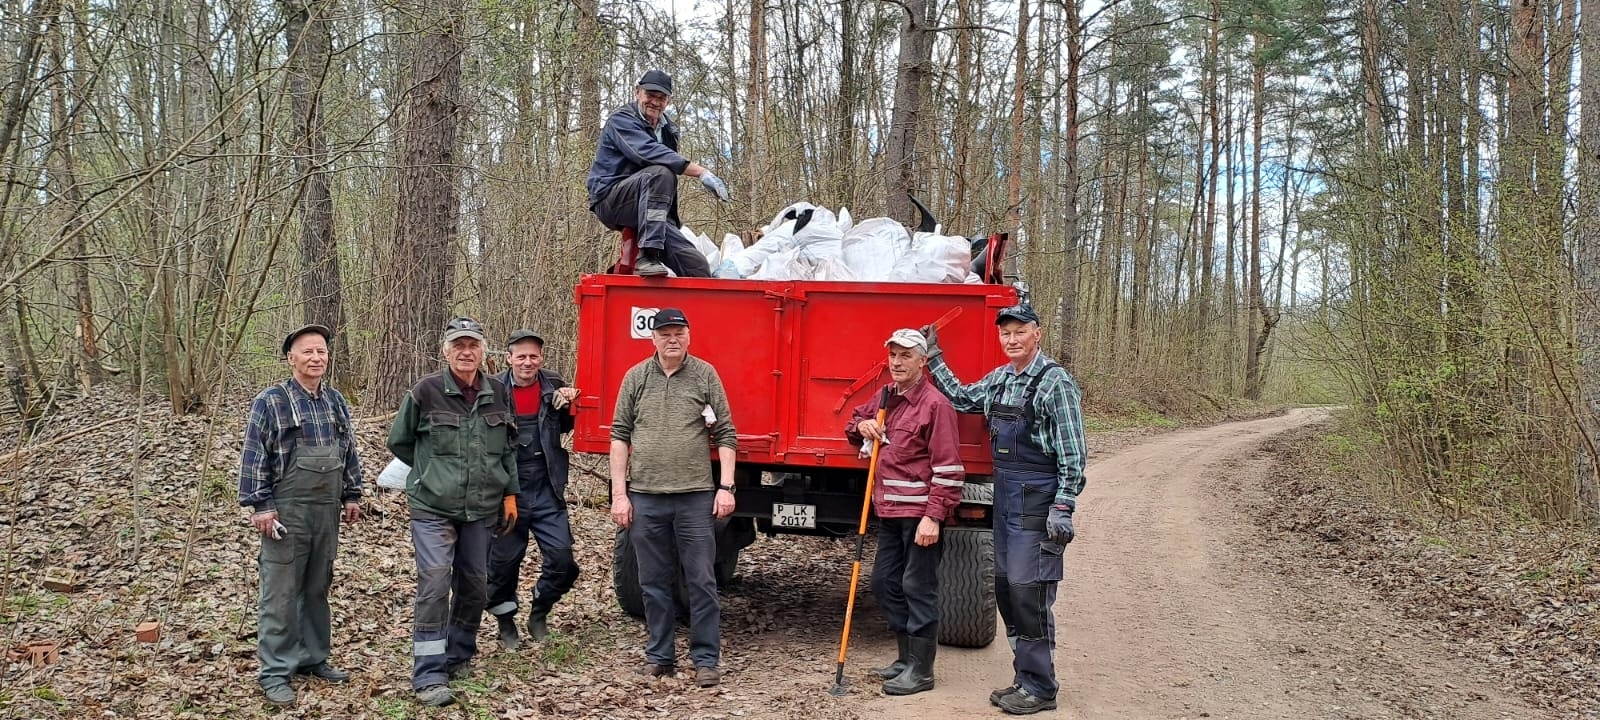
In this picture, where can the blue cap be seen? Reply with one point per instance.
(656, 80)
(1020, 313)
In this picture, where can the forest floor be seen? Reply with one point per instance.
(1221, 571)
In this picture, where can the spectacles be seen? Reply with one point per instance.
(464, 323)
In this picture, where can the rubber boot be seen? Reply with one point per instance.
(893, 670)
(537, 627)
(918, 675)
(508, 631)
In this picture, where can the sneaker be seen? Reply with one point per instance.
(326, 673)
(708, 676)
(1023, 702)
(280, 695)
(994, 697)
(649, 267)
(508, 632)
(435, 696)
(654, 671)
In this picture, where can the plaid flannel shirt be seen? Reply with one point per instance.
(1058, 415)
(324, 419)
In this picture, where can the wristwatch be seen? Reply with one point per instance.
(729, 488)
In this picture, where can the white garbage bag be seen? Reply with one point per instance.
(731, 247)
(845, 221)
(873, 248)
(934, 258)
(394, 475)
(776, 240)
(702, 243)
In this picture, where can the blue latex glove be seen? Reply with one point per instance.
(714, 185)
(1059, 524)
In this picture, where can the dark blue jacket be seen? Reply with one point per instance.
(550, 426)
(627, 145)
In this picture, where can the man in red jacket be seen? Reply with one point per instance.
(918, 485)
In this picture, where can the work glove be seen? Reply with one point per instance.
(1059, 524)
(714, 185)
(508, 514)
(932, 334)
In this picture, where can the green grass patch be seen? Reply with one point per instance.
(396, 708)
(47, 694)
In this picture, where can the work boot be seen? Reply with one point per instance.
(707, 676)
(326, 673)
(893, 670)
(994, 697)
(508, 631)
(435, 696)
(649, 267)
(537, 628)
(280, 695)
(460, 671)
(918, 675)
(1023, 702)
(653, 670)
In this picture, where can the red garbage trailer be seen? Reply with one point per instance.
(796, 358)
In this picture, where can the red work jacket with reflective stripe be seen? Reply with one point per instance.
(919, 470)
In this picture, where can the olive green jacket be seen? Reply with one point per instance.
(463, 457)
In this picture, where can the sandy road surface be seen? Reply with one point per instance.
(1169, 612)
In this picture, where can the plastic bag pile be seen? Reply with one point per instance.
(807, 242)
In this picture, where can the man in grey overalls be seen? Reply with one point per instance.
(542, 402)
(299, 474)
(1036, 436)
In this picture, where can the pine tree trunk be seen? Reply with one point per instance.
(911, 81)
(321, 281)
(1586, 266)
(417, 277)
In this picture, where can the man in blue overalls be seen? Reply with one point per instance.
(542, 402)
(1036, 435)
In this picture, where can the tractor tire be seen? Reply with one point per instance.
(625, 576)
(625, 581)
(967, 610)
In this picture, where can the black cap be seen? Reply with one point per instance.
(520, 335)
(463, 327)
(657, 81)
(667, 317)
(1021, 313)
(288, 340)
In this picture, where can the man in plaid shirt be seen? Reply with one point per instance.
(299, 474)
(1036, 437)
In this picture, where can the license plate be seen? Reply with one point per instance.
(789, 515)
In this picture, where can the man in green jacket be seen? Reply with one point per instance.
(670, 410)
(455, 429)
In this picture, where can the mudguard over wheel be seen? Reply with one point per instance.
(967, 610)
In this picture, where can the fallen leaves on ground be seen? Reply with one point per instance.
(1523, 598)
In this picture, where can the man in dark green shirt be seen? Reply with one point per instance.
(670, 410)
(456, 430)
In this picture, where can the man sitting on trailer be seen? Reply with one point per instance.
(633, 181)
(920, 478)
(1036, 436)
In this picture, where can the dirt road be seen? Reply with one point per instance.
(1169, 611)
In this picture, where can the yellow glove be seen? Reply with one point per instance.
(509, 513)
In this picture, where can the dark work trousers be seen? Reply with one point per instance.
(1027, 563)
(684, 521)
(643, 201)
(293, 629)
(452, 588)
(544, 514)
(905, 578)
